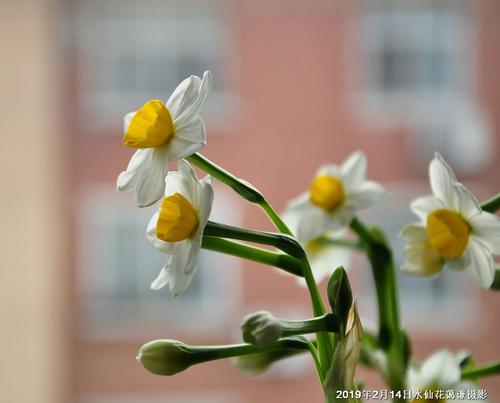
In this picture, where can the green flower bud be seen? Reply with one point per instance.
(340, 294)
(261, 328)
(165, 357)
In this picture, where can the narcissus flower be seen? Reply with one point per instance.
(438, 379)
(453, 230)
(334, 195)
(177, 228)
(161, 133)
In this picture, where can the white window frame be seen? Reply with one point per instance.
(460, 41)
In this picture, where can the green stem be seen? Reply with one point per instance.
(200, 354)
(284, 242)
(391, 337)
(325, 347)
(492, 205)
(243, 188)
(328, 322)
(279, 260)
(275, 218)
(346, 243)
(240, 186)
(490, 369)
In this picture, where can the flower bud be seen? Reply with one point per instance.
(164, 357)
(261, 328)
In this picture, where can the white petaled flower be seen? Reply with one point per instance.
(161, 133)
(453, 230)
(334, 195)
(177, 228)
(438, 379)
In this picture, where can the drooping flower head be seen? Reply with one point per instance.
(453, 230)
(334, 195)
(161, 133)
(438, 373)
(177, 228)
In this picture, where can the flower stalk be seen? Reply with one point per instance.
(284, 242)
(492, 205)
(279, 260)
(169, 357)
(487, 370)
(390, 337)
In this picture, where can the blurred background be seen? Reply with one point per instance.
(296, 84)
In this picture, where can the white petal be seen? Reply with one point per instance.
(325, 261)
(127, 180)
(465, 202)
(442, 179)
(162, 279)
(423, 206)
(184, 95)
(181, 269)
(354, 170)
(187, 140)
(330, 170)
(340, 218)
(366, 195)
(414, 379)
(414, 232)
(482, 266)
(126, 120)
(421, 259)
(173, 272)
(191, 108)
(312, 222)
(206, 198)
(441, 369)
(486, 227)
(165, 247)
(298, 201)
(151, 184)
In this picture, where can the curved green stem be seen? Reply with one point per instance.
(279, 260)
(275, 218)
(487, 370)
(391, 337)
(243, 188)
(284, 242)
(240, 186)
(492, 205)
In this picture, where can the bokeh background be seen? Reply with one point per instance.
(296, 84)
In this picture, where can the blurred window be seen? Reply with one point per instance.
(417, 70)
(128, 52)
(117, 265)
(411, 51)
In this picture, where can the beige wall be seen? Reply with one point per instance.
(30, 307)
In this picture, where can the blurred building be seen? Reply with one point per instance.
(296, 84)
